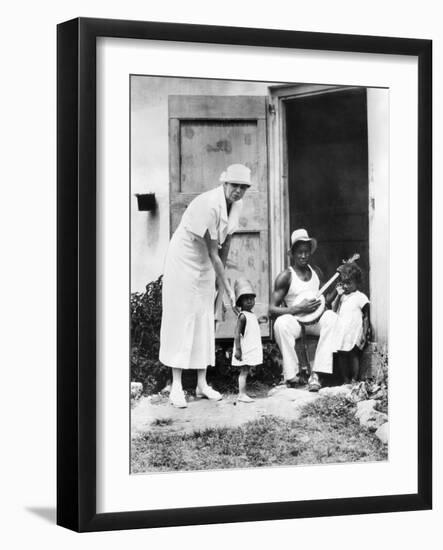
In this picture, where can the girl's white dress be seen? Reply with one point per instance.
(187, 339)
(250, 343)
(348, 329)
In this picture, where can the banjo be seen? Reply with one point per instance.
(314, 316)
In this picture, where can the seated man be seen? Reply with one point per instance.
(297, 278)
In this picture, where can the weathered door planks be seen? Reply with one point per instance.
(206, 134)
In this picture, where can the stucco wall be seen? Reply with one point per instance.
(379, 184)
(150, 160)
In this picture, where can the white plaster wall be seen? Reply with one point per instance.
(150, 161)
(378, 167)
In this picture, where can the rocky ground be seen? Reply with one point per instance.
(152, 413)
(155, 412)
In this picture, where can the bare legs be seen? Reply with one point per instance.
(242, 395)
(354, 361)
(349, 366)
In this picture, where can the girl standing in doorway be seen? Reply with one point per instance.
(352, 328)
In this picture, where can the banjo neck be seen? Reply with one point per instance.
(310, 318)
(327, 284)
(322, 290)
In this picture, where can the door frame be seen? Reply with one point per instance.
(216, 108)
(278, 166)
(378, 185)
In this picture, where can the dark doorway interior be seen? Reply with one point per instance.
(328, 175)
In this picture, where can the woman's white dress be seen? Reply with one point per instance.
(187, 339)
(348, 329)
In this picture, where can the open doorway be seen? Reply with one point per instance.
(327, 174)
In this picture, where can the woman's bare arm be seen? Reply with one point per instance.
(219, 267)
(224, 251)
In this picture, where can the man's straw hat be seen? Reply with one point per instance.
(302, 235)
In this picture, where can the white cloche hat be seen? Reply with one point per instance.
(237, 173)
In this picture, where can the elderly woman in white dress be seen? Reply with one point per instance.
(195, 258)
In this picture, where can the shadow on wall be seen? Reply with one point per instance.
(152, 226)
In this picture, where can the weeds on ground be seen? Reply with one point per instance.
(146, 314)
(327, 432)
(381, 373)
(336, 409)
(162, 422)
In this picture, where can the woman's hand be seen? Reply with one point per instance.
(232, 302)
(238, 354)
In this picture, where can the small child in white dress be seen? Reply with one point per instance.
(248, 351)
(352, 329)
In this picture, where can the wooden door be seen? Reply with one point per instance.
(207, 134)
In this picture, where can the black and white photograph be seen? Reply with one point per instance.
(259, 274)
(221, 287)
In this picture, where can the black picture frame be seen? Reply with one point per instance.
(76, 265)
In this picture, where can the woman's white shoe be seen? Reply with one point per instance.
(209, 393)
(177, 398)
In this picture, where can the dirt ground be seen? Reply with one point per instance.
(155, 412)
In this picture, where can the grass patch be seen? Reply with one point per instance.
(160, 422)
(327, 432)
